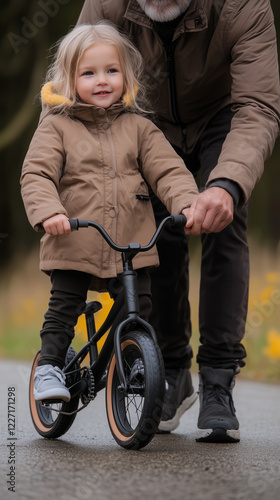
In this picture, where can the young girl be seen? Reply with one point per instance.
(90, 158)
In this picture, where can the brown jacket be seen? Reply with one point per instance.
(91, 163)
(224, 51)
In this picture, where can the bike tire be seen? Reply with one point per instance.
(47, 422)
(134, 416)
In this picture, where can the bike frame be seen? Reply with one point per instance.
(126, 304)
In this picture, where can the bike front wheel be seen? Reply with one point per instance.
(46, 418)
(134, 414)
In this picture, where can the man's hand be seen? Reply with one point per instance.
(58, 224)
(210, 212)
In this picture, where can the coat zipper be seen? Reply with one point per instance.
(170, 49)
(115, 193)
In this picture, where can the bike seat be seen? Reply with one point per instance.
(92, 307)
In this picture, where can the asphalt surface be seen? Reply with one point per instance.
(87, 463)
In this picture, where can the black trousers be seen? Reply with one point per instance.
(224, 275)
(68, 300)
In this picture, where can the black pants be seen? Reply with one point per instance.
(67, 302)
(224, 275)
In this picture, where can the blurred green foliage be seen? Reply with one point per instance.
(28, 29)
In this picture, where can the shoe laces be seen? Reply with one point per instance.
(48, 372)
(217, 393)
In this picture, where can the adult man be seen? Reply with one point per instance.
(213, 75)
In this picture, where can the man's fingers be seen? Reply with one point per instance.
(197, 213)
(211, 210)
(212, 223)
(188, 213)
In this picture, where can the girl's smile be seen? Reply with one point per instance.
(99, 76)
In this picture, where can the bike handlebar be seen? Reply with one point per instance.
(178, 220)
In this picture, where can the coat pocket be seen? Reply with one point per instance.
(141, 189)
(142, 197)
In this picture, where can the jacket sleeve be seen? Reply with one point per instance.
(251, 47)
(165, 171)
(41, 172)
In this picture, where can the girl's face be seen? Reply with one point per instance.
(99, 76)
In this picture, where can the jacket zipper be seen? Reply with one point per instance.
(115, 193)
(170, 49)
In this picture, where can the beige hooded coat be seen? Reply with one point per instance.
(91, 163)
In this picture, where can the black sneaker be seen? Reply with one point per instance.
(217, 422)
(179, 397)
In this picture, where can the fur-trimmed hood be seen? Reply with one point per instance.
(50, 98)
(53, 102)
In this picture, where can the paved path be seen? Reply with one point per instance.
(87, 463)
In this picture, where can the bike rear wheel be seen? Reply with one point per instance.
(134, 414)
(48, 422)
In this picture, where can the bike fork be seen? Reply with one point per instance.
(129, 280)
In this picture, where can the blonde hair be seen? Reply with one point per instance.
(62, 73)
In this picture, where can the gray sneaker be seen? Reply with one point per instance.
(49, 383)
(179, 397)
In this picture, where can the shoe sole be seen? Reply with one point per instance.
(52, 394)
(173, 423)
(218, 435)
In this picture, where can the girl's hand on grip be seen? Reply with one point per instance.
(58, 224)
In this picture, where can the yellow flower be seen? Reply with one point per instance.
(273, 277)
(81, 328)
(100, 316)
(266, 293)
(272, 350)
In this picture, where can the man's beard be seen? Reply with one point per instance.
(164, 10)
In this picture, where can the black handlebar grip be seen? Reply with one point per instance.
(179, 220)
(74, 224)
(77, 223)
